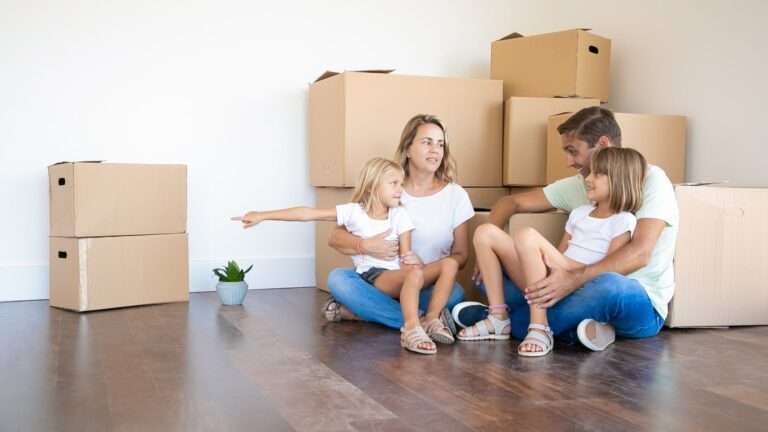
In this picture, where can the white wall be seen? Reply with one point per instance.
(222, 87)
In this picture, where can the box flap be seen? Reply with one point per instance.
(516, 35)
(703, 183)
(328, 74)
(75, 162)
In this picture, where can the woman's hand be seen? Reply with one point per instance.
(379, 247)
(249, 219)
(410, 258)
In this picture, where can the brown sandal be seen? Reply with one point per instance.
(410, 340)
(332, 310)
(438, 332)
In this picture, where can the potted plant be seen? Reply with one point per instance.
(232, 287)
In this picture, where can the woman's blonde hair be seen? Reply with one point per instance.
(447, 171)
(370, 178)
(625, 168)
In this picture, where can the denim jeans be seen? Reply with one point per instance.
(370, 304)
(610, 297)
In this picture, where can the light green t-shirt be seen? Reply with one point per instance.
(658, 277)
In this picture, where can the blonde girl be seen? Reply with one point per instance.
(375, 209)
(615, 189)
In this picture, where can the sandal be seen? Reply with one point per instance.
(539, 335)
(411, 339)
(438, 332)
(332, 310)
(481, 330)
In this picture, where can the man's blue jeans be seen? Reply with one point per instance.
(610, 297)
(370, 304)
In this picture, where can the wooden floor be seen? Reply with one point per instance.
(275, 365)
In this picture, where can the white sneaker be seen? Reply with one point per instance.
(604, 335)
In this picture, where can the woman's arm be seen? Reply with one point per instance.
(294, 214)
(460, 248)
(377, 246)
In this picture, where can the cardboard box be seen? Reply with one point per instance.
(109, 272)
(567, 63)
(326, 257)
(525, 136)
(107, 199)
(485, 198)
(550, 225)
(355, 116)
(720, 258)
(660, 138)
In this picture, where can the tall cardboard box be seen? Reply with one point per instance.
(721, 277)
(567, 63)
(550, 225)
(660, 138)
(485, 198)
(108, 199)
(525, 136)
(108, 272)
(355, 116)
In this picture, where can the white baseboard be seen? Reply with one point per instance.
(30, 282)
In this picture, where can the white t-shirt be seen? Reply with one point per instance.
(591, 237)
(435, 218)
(356, 221)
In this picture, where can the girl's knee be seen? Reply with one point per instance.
(449, 266)
(485, 233)
(415, 275)
(525, 236)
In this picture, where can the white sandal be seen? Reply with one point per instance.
(605, 335)
(540, 336)
(410, 340)
(482, 331)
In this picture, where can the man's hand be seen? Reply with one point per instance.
(558, 285)
(379, 247)
(249, 219)
(410, 258)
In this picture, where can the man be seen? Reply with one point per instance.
(626, 293)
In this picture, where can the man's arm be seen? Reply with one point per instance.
(634, 255)
(528, 202)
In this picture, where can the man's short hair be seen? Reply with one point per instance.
(589, 124)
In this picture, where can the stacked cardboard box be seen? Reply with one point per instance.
(117, 235)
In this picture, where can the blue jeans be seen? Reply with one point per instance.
(610, 297)
(370, 304)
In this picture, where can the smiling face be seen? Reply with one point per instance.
(597, 187)
(427, 148)
(578, 154)
(390, 188)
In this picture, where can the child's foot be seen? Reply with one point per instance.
(538, 342)
(595, 335)
(416, 340)
(491, 328)
(438, 331)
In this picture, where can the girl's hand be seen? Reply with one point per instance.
(249, 219)
(477, 277)
(410, 258)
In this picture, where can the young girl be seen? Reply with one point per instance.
(375, 208)
(615, 188)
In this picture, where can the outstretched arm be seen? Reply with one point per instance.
(528, 202)
(294, 214)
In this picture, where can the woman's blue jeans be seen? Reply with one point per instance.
(370, 304)
(610, 297)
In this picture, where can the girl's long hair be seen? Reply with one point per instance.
(366, 190)
(625, 168)
(447, 171)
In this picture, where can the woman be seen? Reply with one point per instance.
(439, 209)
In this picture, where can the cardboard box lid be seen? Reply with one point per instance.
(328, 73)
(516, 35)
(75, 162)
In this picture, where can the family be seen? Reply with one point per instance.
(407, 233)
